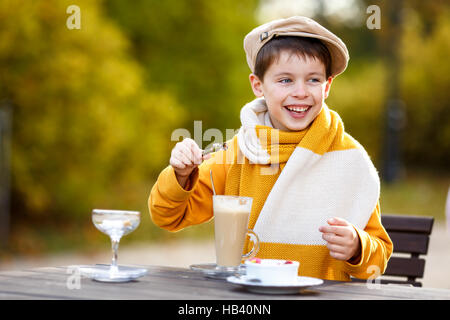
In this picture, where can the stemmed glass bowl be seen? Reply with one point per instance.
(116, 224)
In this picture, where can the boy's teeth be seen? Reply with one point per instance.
(297, 109)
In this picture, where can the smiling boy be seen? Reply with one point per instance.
(320, 204)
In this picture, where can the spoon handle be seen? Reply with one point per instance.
(212, 182)
(215, 147)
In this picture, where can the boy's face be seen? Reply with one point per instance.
(294, 89)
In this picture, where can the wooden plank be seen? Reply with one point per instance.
(408, 267)
(179, 284)
(410, 242)
(387, 291)
(407, 223)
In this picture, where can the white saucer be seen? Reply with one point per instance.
(212, 270)
(102, 273)
(255, 285)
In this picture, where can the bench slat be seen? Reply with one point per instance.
(407, 267)
(407, 223)
(410, 242)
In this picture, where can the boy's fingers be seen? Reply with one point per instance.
(206, 157)
(336, 248)
(185, 154)
(177, 164)
(195, 151)
(326, 229)
(336, 221)
(198, 157)
(339, 230)
(184, 158)
(332, 238)
(192, 145)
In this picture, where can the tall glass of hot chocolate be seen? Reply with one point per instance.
(231, 215)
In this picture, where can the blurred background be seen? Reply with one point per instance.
(86, 115)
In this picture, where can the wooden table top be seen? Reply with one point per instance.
(169, 283)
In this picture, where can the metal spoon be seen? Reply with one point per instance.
(212, 182)
(215, 147)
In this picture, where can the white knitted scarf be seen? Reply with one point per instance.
(312, 187)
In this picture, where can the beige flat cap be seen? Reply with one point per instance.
(300, 27)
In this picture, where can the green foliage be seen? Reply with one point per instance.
(94, 108)
(195, 50)
(359, 94)
(87, 132)
(425, 90)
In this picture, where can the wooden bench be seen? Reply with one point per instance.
(410, 236)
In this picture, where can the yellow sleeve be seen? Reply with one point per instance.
(173, 208)
(376, 248)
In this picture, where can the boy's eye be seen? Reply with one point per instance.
(314, 80)
(285, 80)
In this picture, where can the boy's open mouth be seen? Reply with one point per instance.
(297, 111)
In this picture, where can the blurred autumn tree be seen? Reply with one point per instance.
(360, 93)
(94, 108)
(87, 131)
(194, 48)
(425, 83)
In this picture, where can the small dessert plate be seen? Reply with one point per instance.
(212, 270)
(258, 286)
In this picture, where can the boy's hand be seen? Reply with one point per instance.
(342, 239)
(185, 157)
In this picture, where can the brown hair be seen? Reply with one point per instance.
(303, 46)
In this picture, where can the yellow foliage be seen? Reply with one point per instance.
(84, 123)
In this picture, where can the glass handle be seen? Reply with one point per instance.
(255, 239)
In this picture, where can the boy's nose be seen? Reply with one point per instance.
(300, 90)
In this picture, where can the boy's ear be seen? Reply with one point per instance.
(256, 85)
(328, 87)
